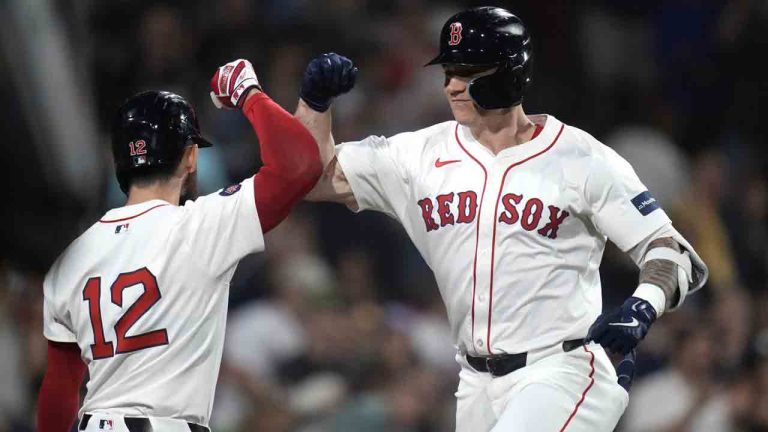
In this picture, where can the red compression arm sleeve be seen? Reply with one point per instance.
(59, 396)
(291, 159)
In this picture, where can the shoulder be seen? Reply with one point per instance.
(591, 147)
(572, 149)
(70, 259)
(417, 143)
(402, 148)
(586, 154)
(213, 201)
(431, 135)
(435, 131)
(579, 142)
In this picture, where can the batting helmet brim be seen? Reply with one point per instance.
(200, 141)
(440, 59)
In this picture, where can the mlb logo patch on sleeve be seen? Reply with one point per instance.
(645, 203)
(229, 190)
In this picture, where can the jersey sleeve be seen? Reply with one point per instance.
(621, 206)
(375, 172)
(56, 327)
(224, 227)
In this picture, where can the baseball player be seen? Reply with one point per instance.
(140, 298)
(512, 212)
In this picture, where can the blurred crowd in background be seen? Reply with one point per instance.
(339, 326)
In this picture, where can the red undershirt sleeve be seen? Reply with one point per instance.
(59, 397)
(291, 160)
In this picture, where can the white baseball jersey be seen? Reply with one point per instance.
(144, 294)
(514, 239)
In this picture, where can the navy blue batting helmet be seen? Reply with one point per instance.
(493, 37)
(151, 131)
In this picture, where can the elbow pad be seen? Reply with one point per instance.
(684, 268)
(692, 272)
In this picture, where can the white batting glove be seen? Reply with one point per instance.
(231, 82)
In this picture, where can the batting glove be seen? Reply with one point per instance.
(232, 82)
(325, 78)
(625, 371)
(622, 329)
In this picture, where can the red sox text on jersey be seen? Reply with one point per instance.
(437, 212)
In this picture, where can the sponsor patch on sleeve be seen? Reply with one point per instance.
(645, 203)
(229, 190)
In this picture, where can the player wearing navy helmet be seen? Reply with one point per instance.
(140, 298)
(512, 212)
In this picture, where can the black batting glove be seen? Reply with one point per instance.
(622, 329)
(326, 77)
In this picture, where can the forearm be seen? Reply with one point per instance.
(290, 156)
(669, 269)
(284, 143)
(59, 397)
(319, 124)
(662, 273)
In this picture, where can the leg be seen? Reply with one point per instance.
(574, 392)
(473, 406)
(538, 407)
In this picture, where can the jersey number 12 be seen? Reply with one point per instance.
(125, 344)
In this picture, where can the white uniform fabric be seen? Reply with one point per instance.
(174, 264)
(514, 239)
(558, 391)
(513, 278)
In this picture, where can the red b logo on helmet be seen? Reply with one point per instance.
(455, 34)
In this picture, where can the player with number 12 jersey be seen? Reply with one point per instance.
(141, 297)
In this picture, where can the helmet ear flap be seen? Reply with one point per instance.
(501, 89)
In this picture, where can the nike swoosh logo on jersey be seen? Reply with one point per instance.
(633, 323)
(439, 163)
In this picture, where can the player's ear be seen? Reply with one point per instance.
(189, 160)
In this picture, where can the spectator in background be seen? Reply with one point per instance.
(166, 48)
(699, 209)
(265, 334)
(355, 268)
(683, 397)
(759, 419)
(655, 158)
(733, 319)
(14, 398)
(404, 405)
(746, 213)
(429, 334)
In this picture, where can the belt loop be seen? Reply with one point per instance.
(84, 422)
(197, 428)
(571, 345)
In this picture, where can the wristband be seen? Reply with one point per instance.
(653, 295)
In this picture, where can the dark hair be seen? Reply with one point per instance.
(148, 176)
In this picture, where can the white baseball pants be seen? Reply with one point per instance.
(557, 391)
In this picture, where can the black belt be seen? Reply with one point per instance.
(501, 364)
(141, 424)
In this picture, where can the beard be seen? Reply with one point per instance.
(189, 189)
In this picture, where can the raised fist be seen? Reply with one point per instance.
(231, 83)
(326, 77)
